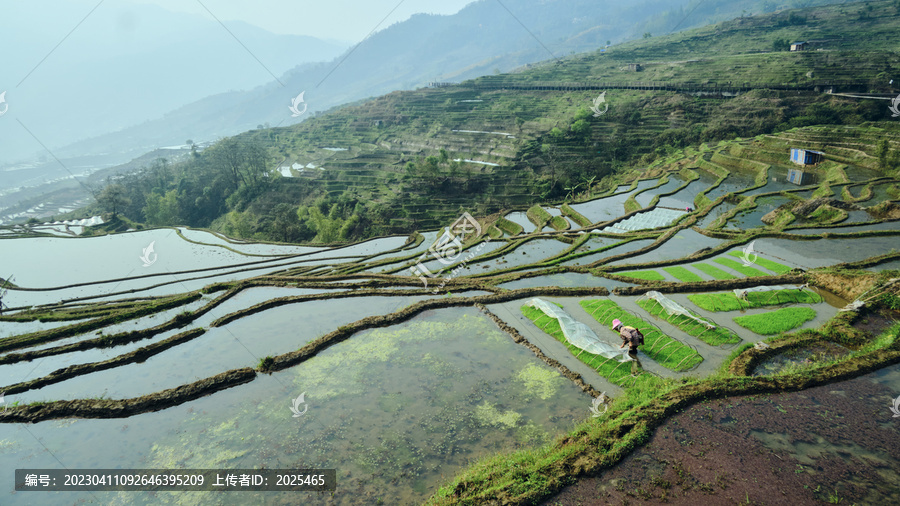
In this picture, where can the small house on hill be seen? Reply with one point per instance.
(799, 46)
(635, 67)
(800, 177)
(806, 156)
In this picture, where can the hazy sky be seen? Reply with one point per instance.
(346, 20)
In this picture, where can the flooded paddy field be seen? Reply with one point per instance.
(824, 252)
(241, 343)
(379, 405)
(682, 244)
(715, 214)
(406, 385)
(644, 198)
(607, 208)
(685, 197)
(611, 250)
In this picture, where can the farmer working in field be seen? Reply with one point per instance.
(633, 338)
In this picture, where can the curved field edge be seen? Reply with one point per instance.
(680, 358)
(727, 301)
(715, 336)
(616, 372)
(776, 322)
(529, 476)
(120, 408)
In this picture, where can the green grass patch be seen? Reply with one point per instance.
(823, 191)
(827, 214)
(575, 216)
(631, 205)
(538, 215)
(784, 219)
(668, 352)
(645, 275)
(776, 322)
(713, 272)
(616, 372)
(510, 227)
(494, 233)
(740, 267)
(559, 223)
(715, 336)
(726, 301)
(683, 274)
(768, 264)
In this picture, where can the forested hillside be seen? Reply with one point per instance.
(415, 160)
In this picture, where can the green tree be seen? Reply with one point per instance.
(581, 128)
(327, 226)
(162, 209)
(583, 113)
(113, 197)
(243, 161)
(239, 224)
(888, 159)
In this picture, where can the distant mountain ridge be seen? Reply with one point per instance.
(483, 38)
(123, 64)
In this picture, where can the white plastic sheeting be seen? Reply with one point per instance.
(87, 222)
(742, 292)
(856, 305)
(579, 334)
(656, 218)
(672, 308)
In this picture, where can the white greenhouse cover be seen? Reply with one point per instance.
(671, 307)
(658, 217)
(579, 334)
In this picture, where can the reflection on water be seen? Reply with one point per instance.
(617, 250)
(241, 343)
(644, 198)
(736, 181)
(685, 197)
(521, 218)
(852, 457)
(753, 217)
(396, 411)
(715, 213)
(887, 225)
(799, 357)
(528, 253)
(682, 244)
(822, 252)
(607, 208)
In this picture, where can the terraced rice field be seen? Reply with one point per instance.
(215, 339)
